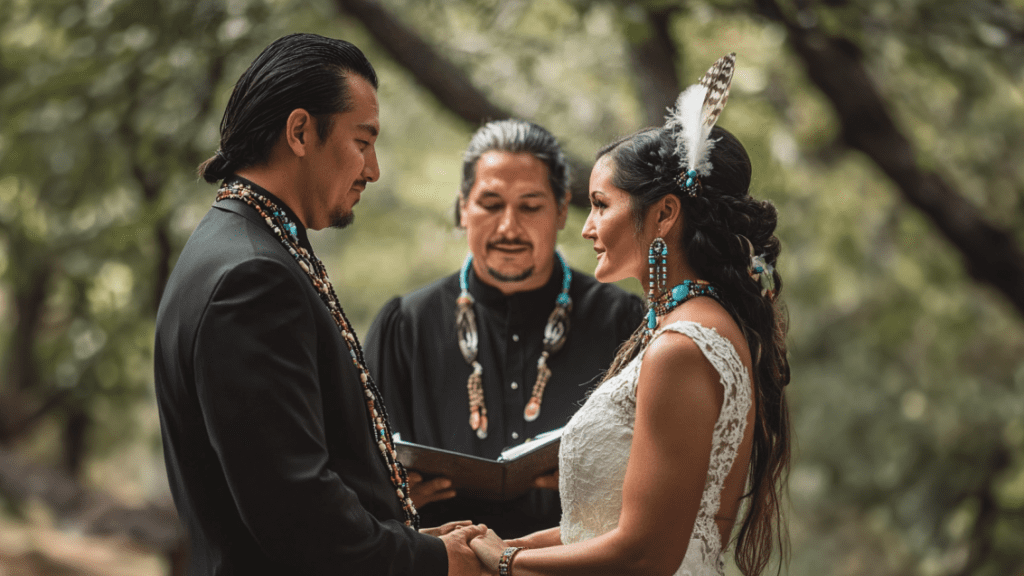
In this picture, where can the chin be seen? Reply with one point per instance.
(606, 276)
(342, 219)
(511, 275)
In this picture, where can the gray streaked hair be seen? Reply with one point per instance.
(514, 135)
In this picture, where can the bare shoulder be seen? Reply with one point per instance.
(674, 370)
(672, 352)
(710, 314)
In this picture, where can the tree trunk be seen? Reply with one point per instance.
(653, 60)
(834, 64)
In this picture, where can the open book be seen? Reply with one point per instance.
(508, 477)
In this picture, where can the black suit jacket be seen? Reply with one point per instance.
(266, 437)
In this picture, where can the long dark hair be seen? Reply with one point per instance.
(722, 223)
(296, 71)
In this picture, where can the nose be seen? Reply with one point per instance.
(509, 225)
(589, 230)
(371, 170)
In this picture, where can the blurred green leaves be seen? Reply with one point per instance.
(908, 377)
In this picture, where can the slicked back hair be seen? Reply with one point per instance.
(296, 71)
(514, 135)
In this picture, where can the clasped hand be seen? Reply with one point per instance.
(462, 540)
(488, 548)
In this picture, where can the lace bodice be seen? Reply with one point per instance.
(596, 444)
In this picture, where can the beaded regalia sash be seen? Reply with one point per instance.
(286, 232)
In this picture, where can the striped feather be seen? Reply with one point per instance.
(695, 113)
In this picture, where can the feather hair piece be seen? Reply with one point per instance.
(695, 113)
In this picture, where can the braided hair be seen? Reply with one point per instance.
(723, 227)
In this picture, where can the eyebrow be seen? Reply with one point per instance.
(369, 128)
(534, 194)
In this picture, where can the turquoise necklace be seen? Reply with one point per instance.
(555, 333)
(661, 301)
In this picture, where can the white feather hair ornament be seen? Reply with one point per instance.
(695, 113)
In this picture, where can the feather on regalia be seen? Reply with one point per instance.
(694, 115)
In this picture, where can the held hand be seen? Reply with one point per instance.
(423, 493)
(446, 528)
(549, 481)
(461, 559)
(488, 549)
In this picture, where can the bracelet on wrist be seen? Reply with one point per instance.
(505, 563)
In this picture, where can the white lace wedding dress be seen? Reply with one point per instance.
(596, 444)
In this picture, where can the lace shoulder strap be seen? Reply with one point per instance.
(732, 420)
(716, 348)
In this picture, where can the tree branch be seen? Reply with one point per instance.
(439, 75)
(835, 65)
(444, 79)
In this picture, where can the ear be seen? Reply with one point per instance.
(299, 131)
(460, 209)
(563, 210)
(665, 214)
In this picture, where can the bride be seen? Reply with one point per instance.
(688, 434)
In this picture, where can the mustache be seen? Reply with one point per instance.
(359, 184)
(508, 243)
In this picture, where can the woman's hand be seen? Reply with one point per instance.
(489, 549)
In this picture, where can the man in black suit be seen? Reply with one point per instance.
(277, 445)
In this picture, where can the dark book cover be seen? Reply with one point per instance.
(506, 478)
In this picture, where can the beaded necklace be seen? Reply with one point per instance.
(555, 333)
(661, 301)
(380, 427)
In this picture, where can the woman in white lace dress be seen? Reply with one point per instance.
(688, 435)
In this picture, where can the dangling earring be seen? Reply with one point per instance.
(657, 272)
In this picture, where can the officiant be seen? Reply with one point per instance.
(508, 346)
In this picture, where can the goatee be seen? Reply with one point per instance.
(343, 220)
(514, 278)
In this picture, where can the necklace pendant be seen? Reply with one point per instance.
(652, 319)
(532, 410)
(681, 291)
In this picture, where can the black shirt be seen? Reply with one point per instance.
(413, 354)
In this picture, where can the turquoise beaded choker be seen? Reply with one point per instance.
(555, 333)
(661, 301)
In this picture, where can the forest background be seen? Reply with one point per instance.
(887, 132)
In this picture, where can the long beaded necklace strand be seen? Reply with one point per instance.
(555, 333)
(380, 426)
(661, 301)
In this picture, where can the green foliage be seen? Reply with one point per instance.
(908, 377)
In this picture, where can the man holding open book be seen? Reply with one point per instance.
(504, 349)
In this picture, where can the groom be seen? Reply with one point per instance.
(278, 448)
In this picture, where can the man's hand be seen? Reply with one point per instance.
(446, 528)
(549, 481)
(423, 493)
(461, 559)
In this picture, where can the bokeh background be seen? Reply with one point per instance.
(889, 134)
